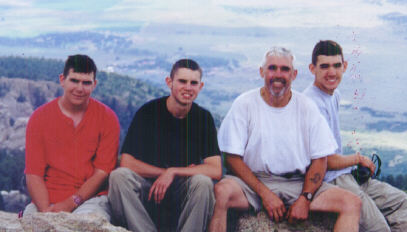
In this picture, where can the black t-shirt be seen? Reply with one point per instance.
(158, 138)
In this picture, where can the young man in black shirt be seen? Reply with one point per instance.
(169, 158)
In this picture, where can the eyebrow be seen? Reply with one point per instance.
(185, 81)
(74, 80)
(283, 68)
(335, 65)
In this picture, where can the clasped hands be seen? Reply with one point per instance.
(276, 210)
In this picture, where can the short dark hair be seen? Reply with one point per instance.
(185, 63)
(327, 48)
(80, 64)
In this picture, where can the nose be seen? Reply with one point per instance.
(80, 87)
(188, 86)
(331, 70)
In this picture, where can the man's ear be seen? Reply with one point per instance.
(261, 71)
(168, 81)
(345, 65)
(61, 78)
(295, 72)
(312, 68)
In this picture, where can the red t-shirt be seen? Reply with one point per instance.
(66, 156)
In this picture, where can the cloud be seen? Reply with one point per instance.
(23, 18)
(396, 18)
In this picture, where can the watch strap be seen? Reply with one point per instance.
(309, 196)
(77, 200)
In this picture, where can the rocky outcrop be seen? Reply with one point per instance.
(9, 222)
(64, 222)
(67, 222)
(250, 222)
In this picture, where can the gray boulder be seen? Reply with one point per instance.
(64, 222)
(9, 222)
(250, 222)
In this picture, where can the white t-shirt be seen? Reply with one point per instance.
(275, 140)
(329, 108)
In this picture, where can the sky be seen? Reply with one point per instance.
(32, 17)
(373, 34)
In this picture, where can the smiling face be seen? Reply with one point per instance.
(278, 73)
(77, 88)
(185, 86)
(328, 72)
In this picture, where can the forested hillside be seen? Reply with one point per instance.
(122, 93)
(26, 83)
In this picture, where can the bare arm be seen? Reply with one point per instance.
(315, 175)
(313, 180)
(140, 167)
(86, 191)
(271, 202)
(337, 162)
(38, 191)
(211, 167)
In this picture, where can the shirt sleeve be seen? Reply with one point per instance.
(322, 141)
(211, 147)
(134, 137)
(232, 134)
(35, 162)
(106, 154)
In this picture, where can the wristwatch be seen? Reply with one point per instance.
(307, 195)
(77, 200)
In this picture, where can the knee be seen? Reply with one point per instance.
(118, 175)
(223, 191)
(351, 203)
(122, 177)
(201, 183)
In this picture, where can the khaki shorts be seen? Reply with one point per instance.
(287, 189)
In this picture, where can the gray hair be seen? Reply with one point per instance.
(278, 52)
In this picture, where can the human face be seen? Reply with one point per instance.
(328, 72)
(278, 73)
(77, 88)
(185, 85)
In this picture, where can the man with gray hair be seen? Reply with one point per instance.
(276, 145)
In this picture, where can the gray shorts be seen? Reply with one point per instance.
(287, 189)
(98, 205)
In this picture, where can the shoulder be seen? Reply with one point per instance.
(248, 96)
(102, 109)
(317, 96)
(44, 112)
(153, 105)
(103, 115)
(337, 94)
(246, 99)
(196, 108)
(302, 98)
(304, 102)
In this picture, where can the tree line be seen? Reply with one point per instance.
(398, 181)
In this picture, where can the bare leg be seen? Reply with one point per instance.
(228, 194)
(341, 201)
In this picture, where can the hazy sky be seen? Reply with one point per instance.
(373, 33)
(32, 17)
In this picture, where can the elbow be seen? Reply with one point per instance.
(125, 161)
(218, 175)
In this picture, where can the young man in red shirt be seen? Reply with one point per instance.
(71, 146)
